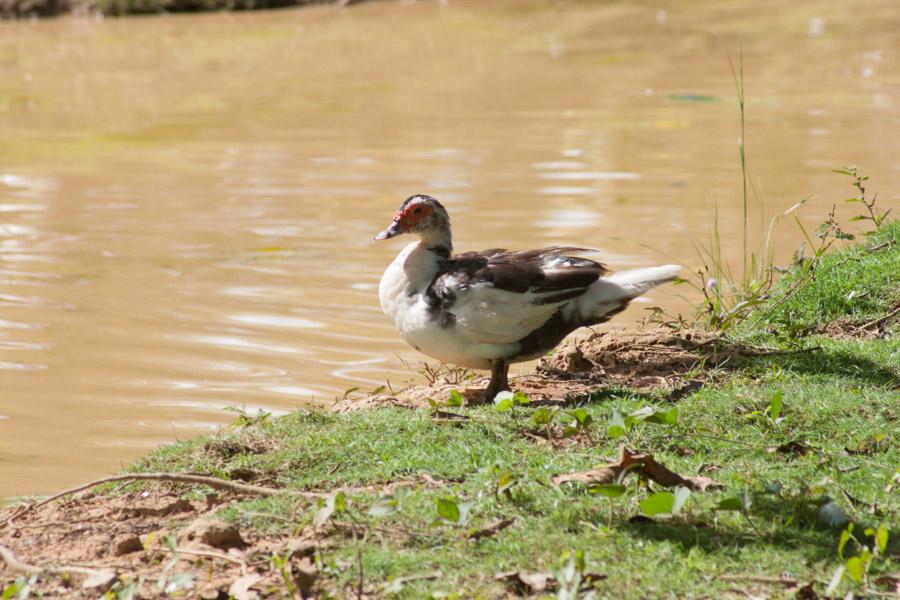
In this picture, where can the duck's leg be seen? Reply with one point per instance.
(499, 381)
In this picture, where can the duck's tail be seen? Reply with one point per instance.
(611, 294)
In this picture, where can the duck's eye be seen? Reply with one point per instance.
(417, 210)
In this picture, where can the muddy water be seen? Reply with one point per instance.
(187, 203)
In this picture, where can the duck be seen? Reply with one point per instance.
(488, 309)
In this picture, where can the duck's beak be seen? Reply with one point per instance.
(394, 229)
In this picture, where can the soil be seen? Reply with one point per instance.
(852, 329)
(173, 542)
(674, 361)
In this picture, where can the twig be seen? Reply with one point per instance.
(9, 557)
(409, 578)
(883, 319)
(211, 554)
(359, 583)
(758, 578)
(213, 482)
(15, 564)
(878, 247)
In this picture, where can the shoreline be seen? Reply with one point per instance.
(641, 463)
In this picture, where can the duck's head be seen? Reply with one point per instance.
(422, 215)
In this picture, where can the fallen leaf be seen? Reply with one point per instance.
(528, 582)
(793, 447)
(240, 587)
(491, 529)
(806, 592)
(631, 461)
(891, 582)
(99, 580)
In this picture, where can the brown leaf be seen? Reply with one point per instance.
(240, 587)
(793, 447)
(806, 592)
(99, 580)
(701, 484)
(891, 582)
(709, 468)
(645, 464)
(491, 529)
(602, 475)
(528, 582)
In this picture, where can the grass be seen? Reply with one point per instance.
(803, 438)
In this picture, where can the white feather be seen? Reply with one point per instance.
(608, 293)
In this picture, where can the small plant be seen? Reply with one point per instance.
(455, 400)
(507, 401)
(772, 413)
(124, 588)
(247, 418)
(450, 510)
(610, 491)
(20, 589)
(665, 503)
(335, 503)
(872, 546)
(621, 425)
(573, 580)
(876, 216)
(448, 373)
(740, 504)
(282, 565)
(581, 421)
(504, 480)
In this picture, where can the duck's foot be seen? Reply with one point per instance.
(499, 380)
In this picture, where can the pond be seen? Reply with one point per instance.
(187, 203)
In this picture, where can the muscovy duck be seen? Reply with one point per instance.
(485, 310)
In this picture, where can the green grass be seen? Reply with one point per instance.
(855, 285)
(840, 409)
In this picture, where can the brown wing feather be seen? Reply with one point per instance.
(549, 272)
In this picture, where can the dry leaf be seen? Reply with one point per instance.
(529, 582)
(645, 464)
(491, 529)
(793, 447)
(240, 587)
(99, 580)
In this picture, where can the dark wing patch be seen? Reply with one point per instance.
(549, 272)
(539, 271)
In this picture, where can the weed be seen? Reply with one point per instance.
(871, 547)
(875, 215)
(246, 419)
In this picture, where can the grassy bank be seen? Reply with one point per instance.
(775, 472)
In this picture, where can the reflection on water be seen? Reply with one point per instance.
(187, 211)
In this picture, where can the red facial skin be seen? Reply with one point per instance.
(410, 217)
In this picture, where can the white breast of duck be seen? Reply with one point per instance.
(478, 307)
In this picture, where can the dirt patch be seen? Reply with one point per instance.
(852, 329)
(169, 545)
(120, 534)
(677, 361)
(157, 543)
